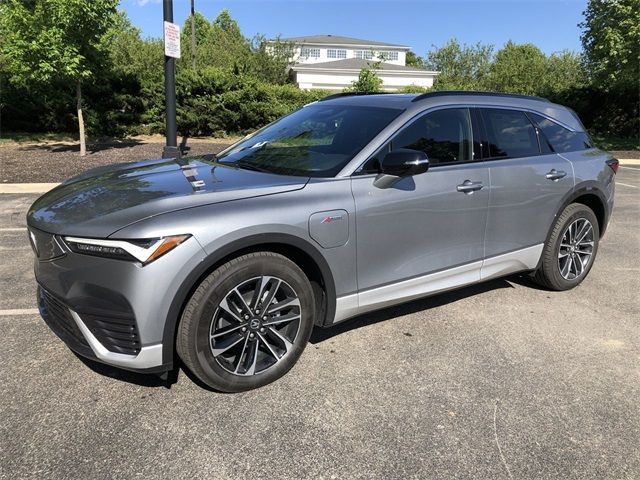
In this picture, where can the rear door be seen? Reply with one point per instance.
(528, 183)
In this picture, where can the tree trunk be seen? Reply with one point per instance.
(83, 145)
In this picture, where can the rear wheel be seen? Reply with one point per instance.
(571, 249)
(247, 323)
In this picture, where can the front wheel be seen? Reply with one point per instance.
(247, 323)
(570, 250)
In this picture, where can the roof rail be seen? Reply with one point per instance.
(350, 94)
(447, 93)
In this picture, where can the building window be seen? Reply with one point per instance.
(334, 53)
(388, 56)
(364, 54)
(310, 52)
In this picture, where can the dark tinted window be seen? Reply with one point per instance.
(560, 138)
(511, 134)
(316, 141)
(444, 135)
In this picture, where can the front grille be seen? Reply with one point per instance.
(58, 317)
(117, 333)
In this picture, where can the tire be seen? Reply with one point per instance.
(565, 261)
(230, 339)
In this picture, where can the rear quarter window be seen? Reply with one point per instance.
(562, 139)
(511, 133)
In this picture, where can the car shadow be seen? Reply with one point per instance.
(141, 379)
(321, 334)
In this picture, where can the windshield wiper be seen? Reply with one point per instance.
(247, 166)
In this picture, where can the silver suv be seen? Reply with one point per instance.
(347, 205)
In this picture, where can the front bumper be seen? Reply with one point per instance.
(69, 326)
(115, 311)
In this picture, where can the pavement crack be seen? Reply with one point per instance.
(495, 436)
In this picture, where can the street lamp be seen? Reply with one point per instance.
(171, 149)
(193, 34)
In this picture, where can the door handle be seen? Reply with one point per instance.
(469, 187)
(555, 175)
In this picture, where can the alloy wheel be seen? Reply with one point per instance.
(255, 326)
(576, 249)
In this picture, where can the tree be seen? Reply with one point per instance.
(564, 72)
(413, 60)
(271, 60)
(129, 54)
(367, 82)
(611, 42)
(203, 35)
(518, 69)
(461, 67)
(49, 40)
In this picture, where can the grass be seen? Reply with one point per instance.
(615, 143)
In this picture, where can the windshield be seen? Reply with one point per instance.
(315, 141)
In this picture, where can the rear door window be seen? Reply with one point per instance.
(510, 133)
(559, 138)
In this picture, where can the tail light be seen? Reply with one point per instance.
(613, 164)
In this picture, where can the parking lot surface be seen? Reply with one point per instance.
(500, 380)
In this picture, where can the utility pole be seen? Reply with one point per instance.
(193, 34)
(171, 149)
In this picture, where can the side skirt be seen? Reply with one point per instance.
(406, 290)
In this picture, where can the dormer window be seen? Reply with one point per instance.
(310, 52)
(336, 53)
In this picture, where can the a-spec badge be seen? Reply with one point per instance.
(332, 218)
(330, 228)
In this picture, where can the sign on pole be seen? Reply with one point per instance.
(171, 40)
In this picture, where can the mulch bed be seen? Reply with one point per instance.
(57, 162)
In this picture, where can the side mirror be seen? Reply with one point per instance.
(401, 163)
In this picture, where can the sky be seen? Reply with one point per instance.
(552, 25)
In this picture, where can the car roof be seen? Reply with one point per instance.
(415, 103)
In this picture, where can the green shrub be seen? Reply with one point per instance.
(216, 102)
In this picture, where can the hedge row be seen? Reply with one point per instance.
(212, 102)
(215, 102)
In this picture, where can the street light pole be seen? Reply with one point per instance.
(193, 34)
(171, 149)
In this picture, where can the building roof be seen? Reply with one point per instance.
(339, 40)
(356, 64)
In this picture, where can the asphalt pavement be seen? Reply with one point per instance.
(501, 380)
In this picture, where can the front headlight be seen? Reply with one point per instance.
(144, 251)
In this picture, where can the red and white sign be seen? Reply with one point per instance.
(171, 40)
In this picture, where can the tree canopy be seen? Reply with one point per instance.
(611, 41)
(47, 47)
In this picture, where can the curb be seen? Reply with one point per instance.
(26, 187)
(629, 161)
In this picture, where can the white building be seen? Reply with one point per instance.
(332, 62)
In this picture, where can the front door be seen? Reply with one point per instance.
(426, 231)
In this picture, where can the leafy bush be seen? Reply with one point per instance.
(367, 82)
(215, 102)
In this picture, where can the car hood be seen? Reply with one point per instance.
(106, 199)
